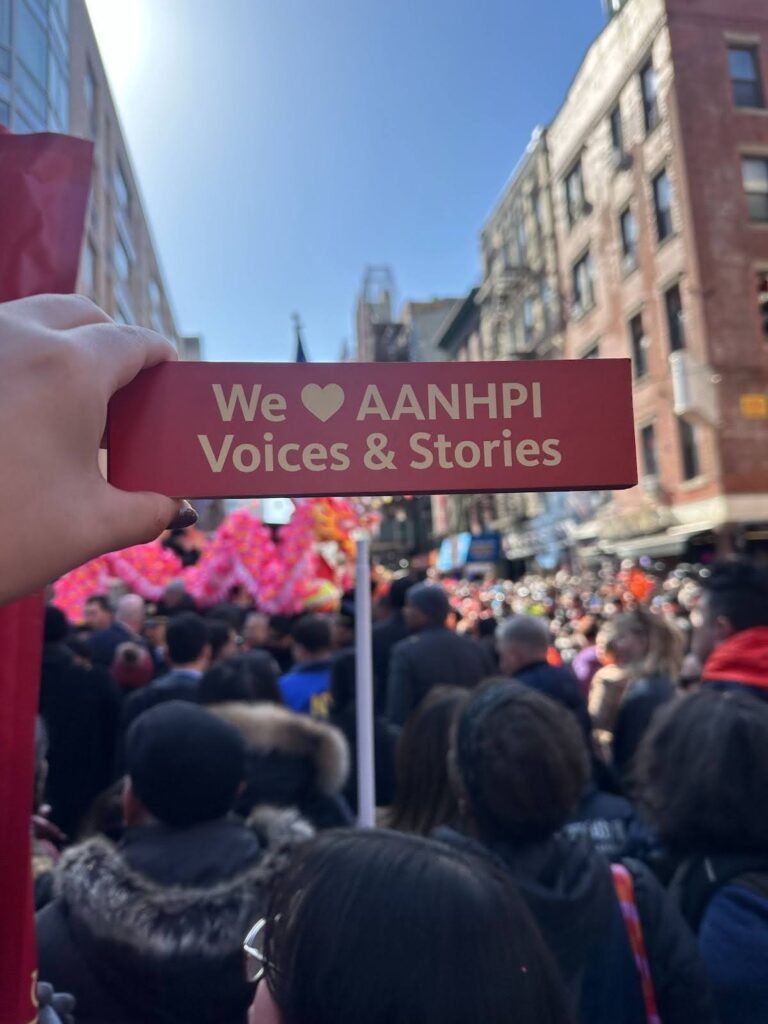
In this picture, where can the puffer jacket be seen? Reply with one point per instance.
(150, 931)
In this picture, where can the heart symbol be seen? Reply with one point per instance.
(322, 402)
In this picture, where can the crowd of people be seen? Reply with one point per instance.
(571, 771)
(569, 825)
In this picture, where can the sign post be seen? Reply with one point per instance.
(366, 785)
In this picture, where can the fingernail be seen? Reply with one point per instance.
(186, 516)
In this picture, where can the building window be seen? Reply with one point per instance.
(91, 103)
(754, 171)
(583, 285)
(673, 304)
(122, 262)
(689, 449)
(628, 228)
(88, 268)
(122, 190)
(593, 352)
(574, 194)
(528, 322)
(617, 134)
(537, 210)
(32, 43)
(745, 76)
(662, 204)
(522, 241)
(649, 89)
(648, 449)
(639, 346)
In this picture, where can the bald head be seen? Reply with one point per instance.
(522, 640)
(132, 612)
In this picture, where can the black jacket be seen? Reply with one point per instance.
(80, 708)
(640, 703)
(384, 637)
(104, 643)
(611, 824)
(151, 931)
(433, 657)
(560, 683)
(292, 761)
(569, 890)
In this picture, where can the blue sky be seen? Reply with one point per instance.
(283, 145)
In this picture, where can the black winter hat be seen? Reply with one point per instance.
(185, 764)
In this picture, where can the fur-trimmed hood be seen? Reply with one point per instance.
(116, 902)
(269, 729)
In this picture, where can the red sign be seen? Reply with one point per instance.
(266, 429)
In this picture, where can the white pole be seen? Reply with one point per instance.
(366, 786)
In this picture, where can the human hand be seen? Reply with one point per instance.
(61, 360)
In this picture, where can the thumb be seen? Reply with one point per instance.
(137, 517)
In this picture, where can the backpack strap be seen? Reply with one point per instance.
(624, 885)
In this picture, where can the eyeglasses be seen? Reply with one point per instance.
(255, 960)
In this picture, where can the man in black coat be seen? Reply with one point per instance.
(386, 635)
(106, 633)
(433, 656)
(151, 930)
(522, 643)
(80, 708)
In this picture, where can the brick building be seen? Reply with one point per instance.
(659, 165)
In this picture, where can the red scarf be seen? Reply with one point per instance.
(742, 658)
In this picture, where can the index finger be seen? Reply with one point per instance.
(121, 351)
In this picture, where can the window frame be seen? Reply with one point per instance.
(576, 173)
(651, 109)
(585, 260)
(649, 430)
(750, 194)
(615, 119)
(676, 336)
(753, 52)
(688, 447)
(638, 347)
(629, 255)
(659, 212)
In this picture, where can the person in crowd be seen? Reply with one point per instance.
(306, 688)
(424, 797)
(520, 765)
(344, 716)
(188, 654)
(343, 626)
(433, 656)
(387, 634)
(222, 638)
(150, 930)
(270, 633)
(731, 641)
(587, 661)
(523, 642)
(106, 633)
(703, 771)
(251, 678)
(132, 666)
(485, 630)
(80, 709)
(131, 612)
(256, 631)
(648, 653)
(176, 600)
(47, 839)
(293, 761)
(415, 933)
(154, 631)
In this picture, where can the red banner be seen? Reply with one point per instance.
(44, 181)
(239, 429)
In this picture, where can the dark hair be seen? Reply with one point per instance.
(417, 932)
(313, 633)
(281, 624)
(487, 626)
(738, 590)
(398, 591)
(703, 773)
(521, 760)
(251, 677)
(424, 797)
(186, 637)
(218, 635)
(56, 625)
(102, 601)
